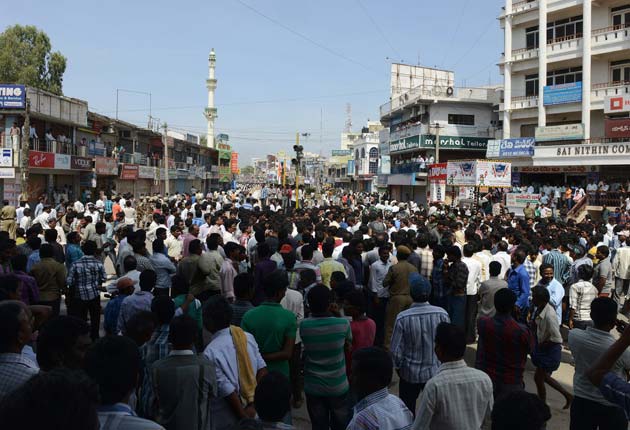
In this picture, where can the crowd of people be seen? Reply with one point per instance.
(230, 310)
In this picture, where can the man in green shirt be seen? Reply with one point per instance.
(272, 326)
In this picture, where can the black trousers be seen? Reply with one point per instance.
(589, 415)
(54, 304)
(471, 318)
(82, 308)
(409, 392)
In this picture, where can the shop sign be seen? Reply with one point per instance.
(560, 132)
(234, 162)
(386, 165)
(511, 148)
(129, 171)
(12, 96)
(350, 168)
(7, 172)
(466, 193)
(62, 161)
(172, 174)
(437, 172)
(616, 128)
(146, 172)
(456, 142)
(518, 200)
(7, 157)
(341, 152)
(617, 103)
(583, 150)
(106, 166)
(41, 159)
(81, 163)
(561, 94)
(404, 144)
(555, 169)
(437, 192)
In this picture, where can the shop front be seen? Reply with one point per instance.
(147, 183)
(106, 169)
(128, 179)
(49, 172)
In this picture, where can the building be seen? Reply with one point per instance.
(429, 118)
(365, 149)
(567, 88)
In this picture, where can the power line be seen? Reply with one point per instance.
(454, 32)
(308, 39)
(378, 29)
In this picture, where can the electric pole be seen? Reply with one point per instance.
(25, 149)
(166, 174)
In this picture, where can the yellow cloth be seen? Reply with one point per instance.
(246, 376)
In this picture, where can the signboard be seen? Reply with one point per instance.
(405, 144)
(129, 171)
(80, 163)
(234, 163)
(7, 172)
(617, 128)
(105, 166)
(466, 193)
(617, 103)
(518, 200)
(437, 172)
(340, 152)
(494, 148)
(511, 148)
(560, 132)
(6, 159)
(386, 164)
(561, 94)
(446, 142)
(587, 154)
(41, 160)
(12, 96)
(146, 172)
(62, 161)
(350, 168)
(554, 169)
(461, 173)
(493, 173)
(437, 191)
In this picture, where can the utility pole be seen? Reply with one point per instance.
(437, 127)
(24, 150)
(299, 154)
(166, 175)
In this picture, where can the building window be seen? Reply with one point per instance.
(362, 152)
(621, 16)
(567, 28)
(620, 71)
(457, 119)
(564, 76)
(531, 37)
(374, 153)
(531, 85)
(356, 154)
(373, 167)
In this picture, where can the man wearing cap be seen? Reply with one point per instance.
(413, 345)
(397, 282)
(7, 219)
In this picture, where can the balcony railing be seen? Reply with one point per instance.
(524, 6)
(607, 36)
(524, 102)
(601, 90)
(524, 54)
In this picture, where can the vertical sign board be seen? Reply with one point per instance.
(234, 163)
(437, 182)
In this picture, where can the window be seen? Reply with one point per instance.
(356, 154)
(564, 28)
(620, 70)
(362, 152)
(374, 153)
(564, 76)
(373, 168)
(621, 16)
(457, 119)
(531, 85)
(531, 37)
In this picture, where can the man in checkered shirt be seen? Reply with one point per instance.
(85, 278)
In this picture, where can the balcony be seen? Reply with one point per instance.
(524, 102)
(564, 48)
(524, 6)
(600, 91)
(414, 130)
(524, 54)
(610, 39)
(410, 167)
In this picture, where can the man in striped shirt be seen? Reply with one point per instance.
(325, 339)
(413, 345)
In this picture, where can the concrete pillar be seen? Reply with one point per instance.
(507, 72)
(586, 68)
(542, 61)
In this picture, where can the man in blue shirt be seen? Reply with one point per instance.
(518, 282)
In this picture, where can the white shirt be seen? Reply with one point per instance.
(25, 222)
(505, 260)
(378, 270)
(294, 302)
(474, 275)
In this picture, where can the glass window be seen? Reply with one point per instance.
(458, 119)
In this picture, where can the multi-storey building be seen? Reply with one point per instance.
(568, 86)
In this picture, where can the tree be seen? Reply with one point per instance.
(26, 58)
(247, 170)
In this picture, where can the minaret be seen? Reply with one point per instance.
(211, 112)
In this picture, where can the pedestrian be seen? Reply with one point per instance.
(455, 286)
(489, 288)
(581, 295)
(397, 283)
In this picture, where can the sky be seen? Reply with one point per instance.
(282, 66)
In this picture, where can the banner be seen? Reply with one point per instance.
(129, 171)
(62, 161)
(560, 132)
(493, 174)
(617, 103)
(12, 96)
(386, 164)
(519, 200)
(6, 160)
(146, 172)
(40, 160)
(437, 192)
(561, 94)
(616, 128)
(461, 173)
(106, 166)
(80, 163)
(437, 172)
(234, 163)
(350, 168)
(7, 172)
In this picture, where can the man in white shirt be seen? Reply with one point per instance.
(26, 221)
(472, 289)
(378, 295)
(503, 257)
(42, 218)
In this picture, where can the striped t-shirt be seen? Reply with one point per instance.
(323, 339)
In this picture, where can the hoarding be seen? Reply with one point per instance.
(129, 171)
(437, 172)
(461, 173)
(234, 163)
(560, 132)
(617, 103)
(340, 152)
(386, 165)
(40, 159)
(493, 174)
(520, 200)
(106, 166)
(617, 128)
(6, 159)
(12, 96)
(80, 163)
(511, 148)
(561, 94)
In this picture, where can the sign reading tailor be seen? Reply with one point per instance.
(80, 163)
(12, 96)
(438, 172)
(62, 161)
(405, 144)
(561, 94)
(617, 103)
(560, 132)
(616, 128)
(129, 171)
(42, 160)
(457, 142)
(106, 166)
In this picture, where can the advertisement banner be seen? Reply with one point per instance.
(461, 173)
(386, 164)
(7, 158)
(616, 128)
(129, 171)
(511, 148)
(560, 132)
(12, 96)
(7, 172)
(437, 172)
(617, 103)
(494, 173)
(146, 172)
(41, 160)
(106, 166)
(561, 94)
(519, 200)
(350, 168)
(80, 163)
(234, 163)
(466, 193)
(62, 161)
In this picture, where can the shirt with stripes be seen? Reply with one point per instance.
(85, 277)
(561, 265)
(324, 340)
(381, 410)
(413, 343)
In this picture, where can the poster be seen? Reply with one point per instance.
(493, 173)
(461, 173)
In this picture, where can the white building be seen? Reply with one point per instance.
(563, 80)
(425, 102)
(366, 157)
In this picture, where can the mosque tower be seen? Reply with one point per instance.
(211, 112)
